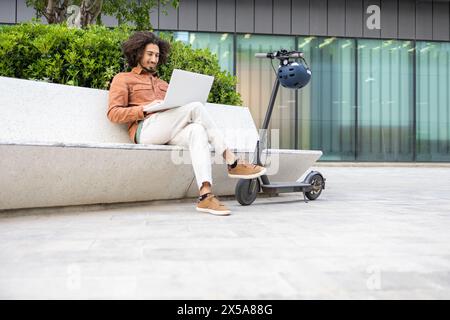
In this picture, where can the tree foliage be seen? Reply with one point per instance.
(136, 12)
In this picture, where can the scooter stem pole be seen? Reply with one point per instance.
(265, 125)
(273, 96)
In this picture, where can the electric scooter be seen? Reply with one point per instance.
(247, 189)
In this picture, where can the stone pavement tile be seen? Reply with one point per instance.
(71, 287)
(371, 235)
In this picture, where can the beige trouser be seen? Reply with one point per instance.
(189, 126)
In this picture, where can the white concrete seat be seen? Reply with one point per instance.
(58, 148)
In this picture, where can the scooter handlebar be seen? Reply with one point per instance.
(279, 54)
(296, 55)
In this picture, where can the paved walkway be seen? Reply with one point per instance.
(374, 233)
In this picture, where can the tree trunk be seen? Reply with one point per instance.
(50, 12)
(89, 11)
(56, 11)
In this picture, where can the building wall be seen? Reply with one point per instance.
(400, 19)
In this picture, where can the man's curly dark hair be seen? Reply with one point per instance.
(133, 48)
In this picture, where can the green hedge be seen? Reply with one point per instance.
(91, 57)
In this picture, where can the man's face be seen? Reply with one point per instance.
(150, 57)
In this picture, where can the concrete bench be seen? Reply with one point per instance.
(58, 148)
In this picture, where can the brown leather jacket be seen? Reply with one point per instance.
(128, 94)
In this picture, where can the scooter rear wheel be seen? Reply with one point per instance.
(317, 187)
(246, 191)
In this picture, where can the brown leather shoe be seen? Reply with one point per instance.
(212, 205)
(245, 170)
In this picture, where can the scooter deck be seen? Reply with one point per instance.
(277, 187)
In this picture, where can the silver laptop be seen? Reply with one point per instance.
(184, 87)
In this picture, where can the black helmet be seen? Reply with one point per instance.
(294, 75)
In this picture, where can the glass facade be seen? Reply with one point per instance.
(368, 99)
(326, 107)
(433, 101)
(255, 82)
(220, 44)
(385, 100)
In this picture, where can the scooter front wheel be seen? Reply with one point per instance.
(246, 191)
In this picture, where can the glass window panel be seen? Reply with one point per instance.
(255, 82)
(385, 98)
(326, 106)
(432, 101)
(221, 44)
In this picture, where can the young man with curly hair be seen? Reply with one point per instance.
(190, 125)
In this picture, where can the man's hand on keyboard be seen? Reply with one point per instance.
(153, 103)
